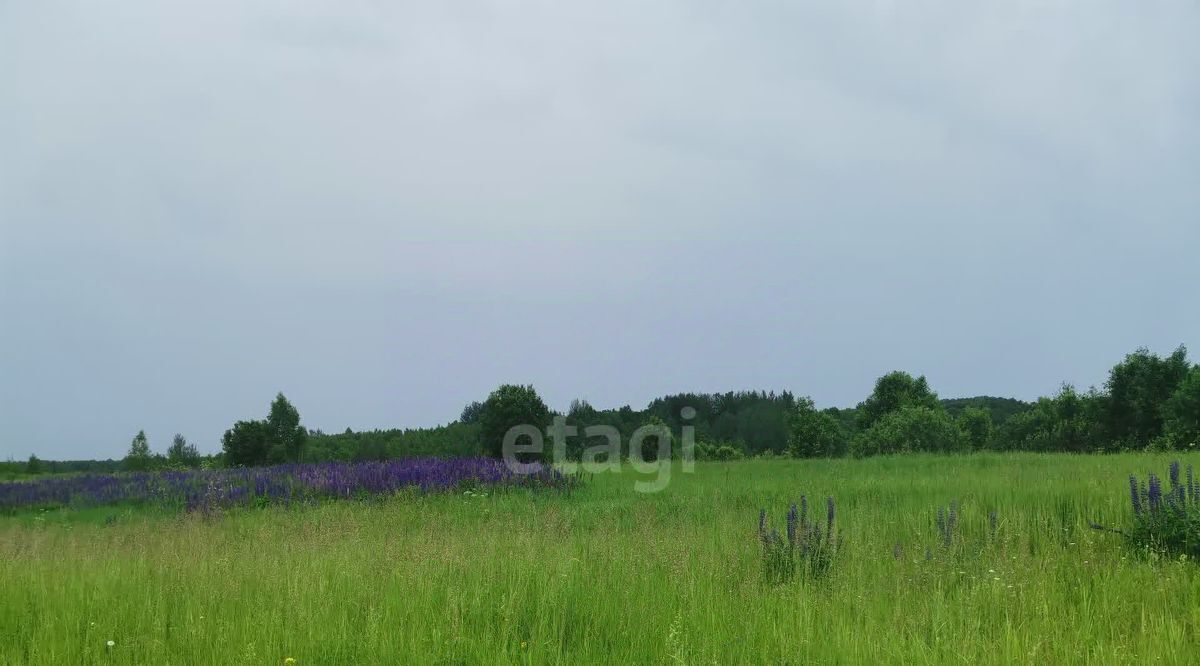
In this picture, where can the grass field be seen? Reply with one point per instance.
(607, 575)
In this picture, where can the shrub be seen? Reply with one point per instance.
(911, 429)
(812, 433)
(720, 451)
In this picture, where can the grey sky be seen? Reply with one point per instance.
(385, 209)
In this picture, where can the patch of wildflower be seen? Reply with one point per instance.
(1164, 521)
(806, 548)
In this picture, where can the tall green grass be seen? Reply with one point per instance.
(611, 576)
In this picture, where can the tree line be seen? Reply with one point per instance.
(1147, 402)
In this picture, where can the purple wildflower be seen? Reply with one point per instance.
(209, 489)
(1134, 496)
(1155, 494)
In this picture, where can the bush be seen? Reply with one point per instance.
(814, 434)
(720, 451)
(911, 429)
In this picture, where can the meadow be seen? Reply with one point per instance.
(603, 574)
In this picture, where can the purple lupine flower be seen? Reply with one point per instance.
(762, 525)
(1173, 474)
(793, 518)
(1135, 496)
(1155, 494)
(205, 489)
(953, 519)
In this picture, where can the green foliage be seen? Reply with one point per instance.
(1067, 422)
(456, 440)
(999, 409)
(976, 424)
(1147, 402)
(909, 429)
(718, 451)
(756, 421)
(508, 406)
(139, 459)
(651, 444)
(12, 468)
(893, 392)
(472, 413)
(247, 444)
(1168, 533)
(1182, 412)
(287, 436)
(814, 434)
(34, 465)
(278, 439)
(1138, 389)
(182, 454)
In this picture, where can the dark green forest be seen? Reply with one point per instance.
(1148, 402)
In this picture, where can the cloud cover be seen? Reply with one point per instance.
(385, 209)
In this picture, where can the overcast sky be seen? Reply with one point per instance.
(386, 209)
